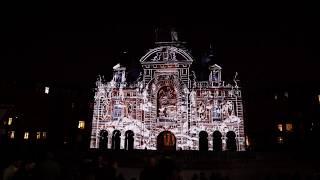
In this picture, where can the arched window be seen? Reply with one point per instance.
(203, 141)
(116, 140)
(103, 140)
(231, 141)
(129, 140)
(217, 142)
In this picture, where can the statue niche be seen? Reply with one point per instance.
(166, 103)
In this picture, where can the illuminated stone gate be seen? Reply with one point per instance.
(168, 98)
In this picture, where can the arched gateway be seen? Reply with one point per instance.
(166, 141)
(167, 107)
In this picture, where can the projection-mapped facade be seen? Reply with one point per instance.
(167, 105)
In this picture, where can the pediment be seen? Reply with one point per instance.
(166, 54)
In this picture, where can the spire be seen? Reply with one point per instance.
(156, 34)
(210, 55)
(212, 51)
(167, 36)
(174, 35)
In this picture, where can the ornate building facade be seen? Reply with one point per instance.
(167, 106)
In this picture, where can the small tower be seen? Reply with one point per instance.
(215, 74)
(119, 74)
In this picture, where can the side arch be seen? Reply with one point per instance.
(231, 141)
(103, 139)
(116, 139)
(217, 141)
(129, 140)
(203, 141)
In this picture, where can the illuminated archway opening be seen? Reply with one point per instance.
(166, 141)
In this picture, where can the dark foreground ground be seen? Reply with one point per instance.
(46, 163)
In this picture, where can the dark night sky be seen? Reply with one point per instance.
(274, 47)
(75, 44)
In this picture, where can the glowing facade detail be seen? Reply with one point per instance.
(81, 124)
(289, 127)
(46, 90)
(167, 97)
(38, 135)
(11, 134)
(279, 126)
(44, 135)
(9, 121)
(26, 135)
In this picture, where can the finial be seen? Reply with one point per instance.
(174, 35)
(235, 79)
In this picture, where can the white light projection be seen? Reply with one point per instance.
(167, 97)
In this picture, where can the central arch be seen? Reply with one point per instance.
(166, 141)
